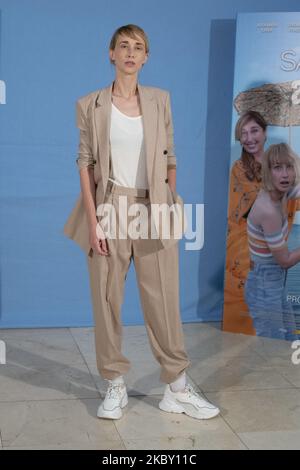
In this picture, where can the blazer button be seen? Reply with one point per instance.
(166, 180)
(94, 161)
(165, 152)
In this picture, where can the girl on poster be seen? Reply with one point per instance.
(267, 228)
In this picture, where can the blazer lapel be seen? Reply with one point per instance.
(149, 113)
(102, 115)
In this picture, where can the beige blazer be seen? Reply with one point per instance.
(93, 120)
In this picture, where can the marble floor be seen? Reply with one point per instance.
(50, 391)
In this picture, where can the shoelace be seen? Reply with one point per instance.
(114, 390)
(192, 392)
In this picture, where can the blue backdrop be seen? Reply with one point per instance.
(51, 53)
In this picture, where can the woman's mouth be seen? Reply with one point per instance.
(251, 146)
(130, 63)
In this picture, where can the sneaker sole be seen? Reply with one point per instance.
(113, 414)
(171, 407)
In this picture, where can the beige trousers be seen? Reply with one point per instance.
(158, 282)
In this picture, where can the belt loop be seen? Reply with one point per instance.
(110, 186)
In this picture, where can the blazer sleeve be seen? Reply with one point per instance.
(85, 156)
(170, 133)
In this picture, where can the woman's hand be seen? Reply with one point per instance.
(98, 241)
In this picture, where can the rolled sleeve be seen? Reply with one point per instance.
(85, 156)
(170, 134)
(171, 163)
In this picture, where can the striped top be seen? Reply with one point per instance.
(294, 193)
(261, 243)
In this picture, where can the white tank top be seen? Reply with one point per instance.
(127, 147)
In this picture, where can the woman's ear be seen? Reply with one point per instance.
(111, 56)
(146, 58)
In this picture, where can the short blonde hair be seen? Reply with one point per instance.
(131, 30)
(278, 154)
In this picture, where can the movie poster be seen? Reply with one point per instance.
(267, 80)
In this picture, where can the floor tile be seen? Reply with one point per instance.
(57, 423)
(54, 344)
(45, 380)
(272, 440)
(284, 366)
(143, 414)
(259, 410)
(204, 341)
(269, 348)
(202, 440)
(240, 373)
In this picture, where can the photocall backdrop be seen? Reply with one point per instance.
(266, 79)
(51, 53)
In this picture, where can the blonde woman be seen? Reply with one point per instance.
(126, 151)
(267, 228)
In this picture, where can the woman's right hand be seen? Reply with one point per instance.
(98, 241)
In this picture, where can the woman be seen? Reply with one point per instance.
(126, 151)
(245, 183)
(267, 234)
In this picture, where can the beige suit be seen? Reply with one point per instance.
(156, 261)
(93, 120)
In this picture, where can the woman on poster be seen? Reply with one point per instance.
(267, 228)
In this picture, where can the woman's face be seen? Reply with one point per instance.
(283, 176)
(253, 137)
(129, 54)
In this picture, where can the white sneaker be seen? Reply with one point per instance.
(116, 398)
(188, 402)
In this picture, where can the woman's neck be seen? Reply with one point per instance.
(258, 156)
(280, 201)
(125, 87)
(276, 196)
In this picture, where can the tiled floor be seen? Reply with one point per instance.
(50, 390)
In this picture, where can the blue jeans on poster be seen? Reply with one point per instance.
(273, 316)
